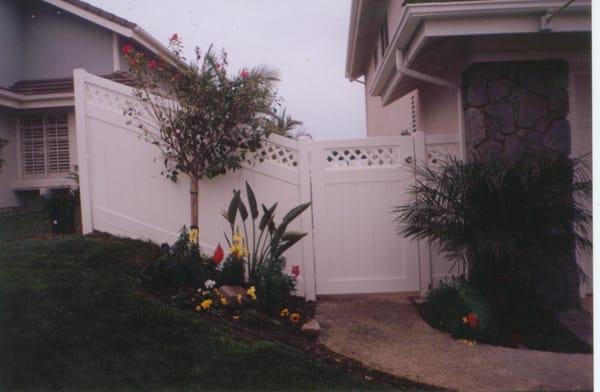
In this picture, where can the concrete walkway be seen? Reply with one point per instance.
(385, 332)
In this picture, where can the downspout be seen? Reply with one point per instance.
(401, 70)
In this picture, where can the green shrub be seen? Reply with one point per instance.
(182, 265)
(500, 221)
(273, 286)
(450, 306)
(61, 204)
(232, 272)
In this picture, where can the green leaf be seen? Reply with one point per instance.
(294, 212)
(251, 201)
(233, 208)
(242, 208)
(267, 218)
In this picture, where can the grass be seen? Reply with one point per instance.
(71, 318)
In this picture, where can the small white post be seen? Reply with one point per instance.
(82, 151)
(306, 220)
(423, 246)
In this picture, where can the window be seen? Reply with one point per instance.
(45, 145)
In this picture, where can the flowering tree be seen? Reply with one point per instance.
(203, 120)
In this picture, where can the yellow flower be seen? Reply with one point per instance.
(284, 312)
(239, 298)
(252, 292)
(193, 235)
(207, 303)
(464, 319)
(224, 301)
(294, 317)
(198, 308)
(238, 247)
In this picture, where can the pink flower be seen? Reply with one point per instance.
(127, 49)
(245, 74)
(295, 271)
(174, 38)
(152, 64)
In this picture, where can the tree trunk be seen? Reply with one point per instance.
(194, 201)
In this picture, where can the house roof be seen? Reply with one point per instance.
(62, 85)
(115, 24)
(422, 23)
(101, 13)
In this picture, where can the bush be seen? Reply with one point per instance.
(502, 222)
(61, 204)
(459, 309)
(232, 272)
(273, 286)
(182, 265)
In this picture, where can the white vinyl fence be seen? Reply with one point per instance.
(351, 246)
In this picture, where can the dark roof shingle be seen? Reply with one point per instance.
(63, 85)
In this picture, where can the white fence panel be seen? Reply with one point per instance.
(124, 193)
(356, 184)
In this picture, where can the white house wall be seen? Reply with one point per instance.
(56, 42)
(11, 42)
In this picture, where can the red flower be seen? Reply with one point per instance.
(152, 64)
(127, 49)
(472, 320)
(218, 255)
(245, 74)
(295, 271)
(174, 38)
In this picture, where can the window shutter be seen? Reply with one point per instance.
(57, 144)
(45, 145)
(32, 133)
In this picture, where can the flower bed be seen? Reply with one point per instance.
(249, 285)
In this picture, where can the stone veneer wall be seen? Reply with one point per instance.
(514, 109)
(517, 108)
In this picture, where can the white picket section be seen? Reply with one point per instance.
(351, 246)
(356, 184)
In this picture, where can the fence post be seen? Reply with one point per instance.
(82, 150)
(423, 245)
(306, 219)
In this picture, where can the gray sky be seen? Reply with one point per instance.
(305, 41)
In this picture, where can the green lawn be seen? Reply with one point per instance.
(71, 318)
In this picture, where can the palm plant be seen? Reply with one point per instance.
(497, 220)
(282, 124)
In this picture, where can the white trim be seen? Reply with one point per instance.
(38, 101)
(116, 56)
(79, 76)
(41, 183)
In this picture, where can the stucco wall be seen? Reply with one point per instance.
(8, 173)
(56, 42)
(11, 41)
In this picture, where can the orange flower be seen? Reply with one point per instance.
(294, 317)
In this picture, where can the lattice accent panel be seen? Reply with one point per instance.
(437, 153)
(276, 154)
(362, 157)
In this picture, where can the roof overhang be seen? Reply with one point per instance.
(420, 23)
(22, 101)
(365, 18)
(129, 30)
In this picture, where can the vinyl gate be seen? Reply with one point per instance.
(353, 185)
